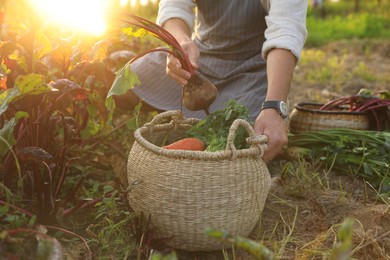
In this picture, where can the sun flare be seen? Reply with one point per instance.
(86, 16)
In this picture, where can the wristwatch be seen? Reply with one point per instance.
(280, 106)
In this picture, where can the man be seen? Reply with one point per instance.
(248, 49)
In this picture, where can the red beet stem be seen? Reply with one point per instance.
(165, 36)
(153, 50)
(334, 103)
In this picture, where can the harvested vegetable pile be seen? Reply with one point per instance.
(361, 153)
(377, 105)
(214, 129)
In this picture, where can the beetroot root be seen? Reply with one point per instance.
(199, 94)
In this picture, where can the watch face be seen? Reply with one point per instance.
(283, 108)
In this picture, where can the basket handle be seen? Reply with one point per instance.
(173, 118)
(258, 141)
(161, 117)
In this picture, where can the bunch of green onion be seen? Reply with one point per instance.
(359, 153)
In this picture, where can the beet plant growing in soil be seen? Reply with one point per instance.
(55, 136)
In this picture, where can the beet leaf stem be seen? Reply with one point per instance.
(166, 37)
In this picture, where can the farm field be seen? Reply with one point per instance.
(63, 153)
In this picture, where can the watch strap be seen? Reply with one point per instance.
(270, 104)
(275, 104)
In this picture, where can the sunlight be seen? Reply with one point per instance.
(87, 16)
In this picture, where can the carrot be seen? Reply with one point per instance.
(190, 143)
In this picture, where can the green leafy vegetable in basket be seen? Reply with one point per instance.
(214, 129)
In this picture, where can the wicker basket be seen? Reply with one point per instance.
(186, 192)
(308, 117)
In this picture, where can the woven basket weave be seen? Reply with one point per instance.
(186, 192)
(308, 117)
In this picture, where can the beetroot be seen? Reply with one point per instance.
(199, 93)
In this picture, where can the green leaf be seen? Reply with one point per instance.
(125, 79)
(20, 59)
(95, 186)
(99, 51)
(253, 247)
(159, 256)
(385, 95)
(367, 169)
(107, 189)
(6, 98)
(7, 139)
(342, 249)
(32, 220)
(91, 129)
(42, 46)
(214, 129)
(385, 185)
(32, 84)
(92, 110)
(132, 124)
(7, 136)
(4, 209)
(21, 114)
(110, 104)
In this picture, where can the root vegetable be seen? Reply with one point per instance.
(191, 144)
(199, 93)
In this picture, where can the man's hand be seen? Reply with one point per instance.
(271, 124)
(178, 28)
(174, 69)
(280, 68)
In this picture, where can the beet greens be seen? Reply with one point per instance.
(214, 129)
(377, 105)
